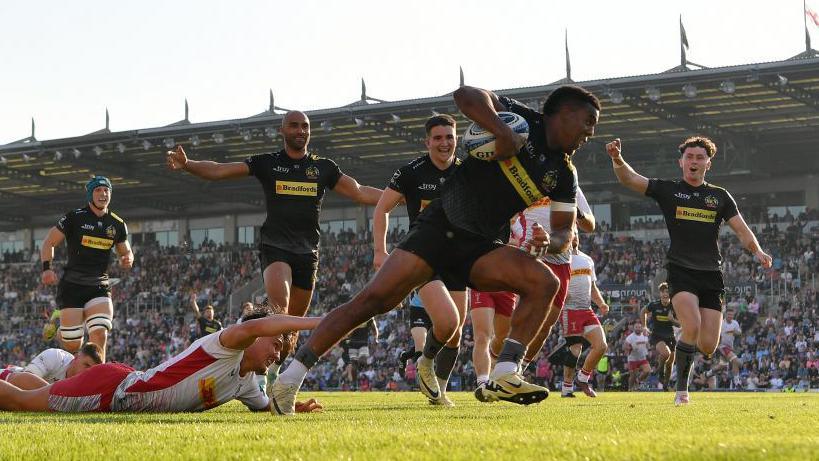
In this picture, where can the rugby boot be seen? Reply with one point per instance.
(426, 379)
(586, 388)
(479, 393)
(442, 401)
(512, 388)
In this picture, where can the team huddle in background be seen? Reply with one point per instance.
(495, 237)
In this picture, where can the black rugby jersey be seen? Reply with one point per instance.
(693, 216)
(660, 324)
(420, 182)
(207, 327)
(293, 191)
(361, 335)
(481, 196)
(89, 240)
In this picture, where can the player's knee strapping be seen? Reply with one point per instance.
(71, 333)
(98, 321)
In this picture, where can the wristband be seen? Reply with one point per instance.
(46, 266)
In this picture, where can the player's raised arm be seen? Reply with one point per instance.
(749, 241)
(482, 107)
(176, 159)
(242, 335)
(54, 238)
(350, 188)
(625, 174)
(381, 216)
(195, 306)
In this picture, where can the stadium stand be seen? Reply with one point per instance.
(778, 347)
(194, 236)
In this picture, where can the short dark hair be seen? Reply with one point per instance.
(699, 141)
(92, 350)
(663, 286)
(265, 309)
(439, 120)
(262, 310)
(569, 94)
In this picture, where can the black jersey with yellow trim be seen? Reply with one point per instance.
(420, 182)
(89, 239)
(207, 327)
(482, 196)
(661, 324)
(294, 190)
(693, 216)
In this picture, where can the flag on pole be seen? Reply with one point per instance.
(568, 61)
(683, 44)
(811, 20)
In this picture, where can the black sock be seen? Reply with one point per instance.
(685, 357)
(512, 351)
(705, 355)
(661, 374)
(445, 362)
(432, 345)
(307, 357)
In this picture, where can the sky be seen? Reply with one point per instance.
(63, 63)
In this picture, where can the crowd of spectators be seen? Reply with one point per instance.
(153, 320)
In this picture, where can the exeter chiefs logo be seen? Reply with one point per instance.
(311, 172)
(110, 232)
(549, 181)
(711, 201)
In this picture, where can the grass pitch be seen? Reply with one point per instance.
(377, 426)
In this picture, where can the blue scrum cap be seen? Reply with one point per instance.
(95, 182)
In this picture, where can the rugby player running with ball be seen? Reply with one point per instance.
(456, 236)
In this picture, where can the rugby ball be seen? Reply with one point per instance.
(480, 143)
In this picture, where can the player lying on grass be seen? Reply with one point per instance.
(52, 365)
(214, 370)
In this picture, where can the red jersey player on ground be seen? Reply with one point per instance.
(214, 370)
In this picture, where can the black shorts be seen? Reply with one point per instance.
(449, 250)
(708, 286)
(74, 296)
(302, 266)
(419, 318)
(669, 340)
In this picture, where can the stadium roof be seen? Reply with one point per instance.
(764, 117)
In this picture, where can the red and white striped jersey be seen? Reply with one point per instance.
(580, 285)
(203, 376)
(540, 212)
